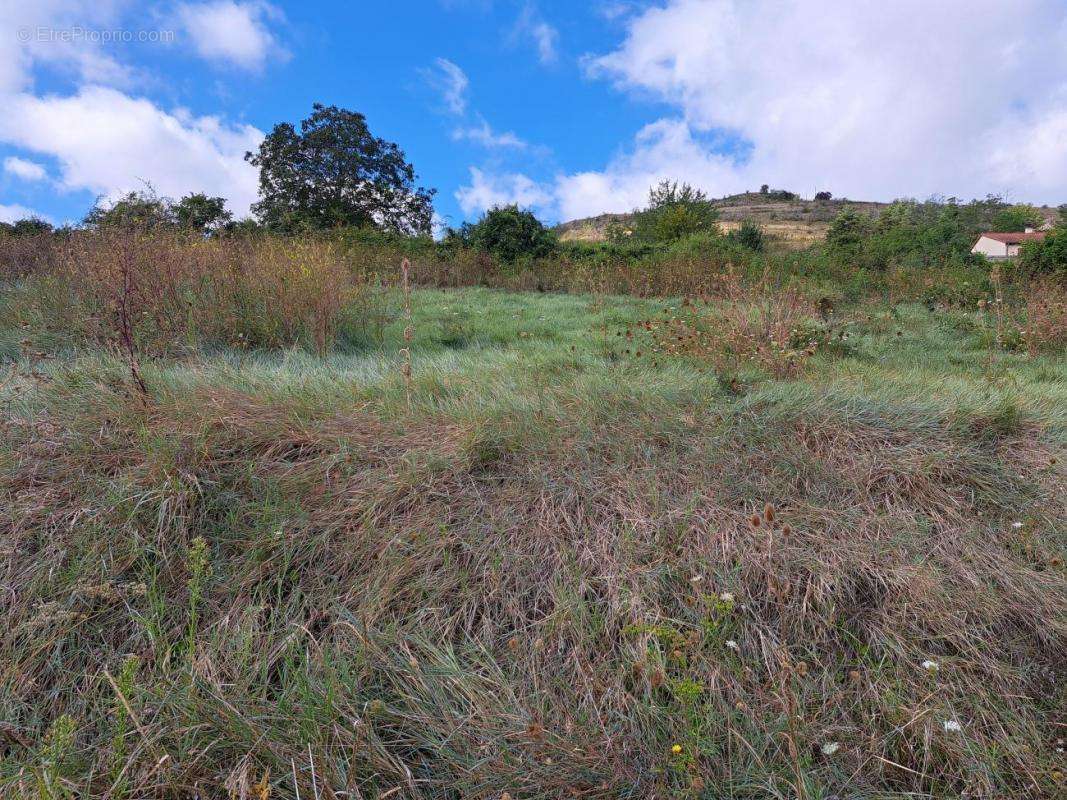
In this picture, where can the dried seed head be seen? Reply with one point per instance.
(755, 520)
(802, 668)
(768, 513)
(787, 529)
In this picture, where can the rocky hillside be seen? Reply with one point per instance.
(794, 222)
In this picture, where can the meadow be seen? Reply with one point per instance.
(701, 527)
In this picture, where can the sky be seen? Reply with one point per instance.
(568, 108)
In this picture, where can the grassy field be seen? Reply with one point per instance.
(541, 564)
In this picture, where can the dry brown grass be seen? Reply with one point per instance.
(419, 609)
(744, 325)
(1046, 317)
(166, 292)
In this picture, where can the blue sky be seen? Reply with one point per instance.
(568, 108)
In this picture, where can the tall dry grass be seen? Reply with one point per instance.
(743, 324)
(1046, 317)
(169, 292)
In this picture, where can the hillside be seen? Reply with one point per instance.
(794, 223)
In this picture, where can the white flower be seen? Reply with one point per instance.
(952, 725)
(732, 644)
(1016, 524)
(696, 579)
(726, 597)
(830, 748)
(931, 666)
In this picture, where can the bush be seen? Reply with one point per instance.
(847, 234)
(749, 235)
(506, 233)
(675, 212)
(1047, 256)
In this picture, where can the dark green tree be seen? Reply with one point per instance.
(28, 226)
(201, 213)
(508, 233)
(1017, 218)
(333, 172)
(142, 209)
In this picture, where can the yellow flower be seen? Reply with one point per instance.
(676, 749)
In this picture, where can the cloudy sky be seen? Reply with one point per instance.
(568, 108)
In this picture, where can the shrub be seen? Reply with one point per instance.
(1017, 218)
(847, 234)
(675, 212)
(749, 235)
(1047, 256)
(507, 233)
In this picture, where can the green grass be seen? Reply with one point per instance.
(509, 575)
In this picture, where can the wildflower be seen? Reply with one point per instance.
(732, 644)
(952, 726)
(1016, 525)
(931, 666)
(676, 749)
(830, 748)
(726, 597)
(696, 579)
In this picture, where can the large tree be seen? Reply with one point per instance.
(334, 172)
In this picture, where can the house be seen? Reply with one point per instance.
(1004, 245)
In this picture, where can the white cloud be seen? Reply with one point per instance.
(108, 143)
(42, 32)
(452, 83)
(544, 37)
(484, 135)
(489, 191)
(663, 149)
(26, 170)
(864, 98)
(14, 213)
(104, 139)
(232, 32)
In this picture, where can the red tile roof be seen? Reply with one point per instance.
(1015, 238)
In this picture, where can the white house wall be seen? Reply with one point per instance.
(990, 248)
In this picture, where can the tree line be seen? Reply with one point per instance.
(332, 172)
